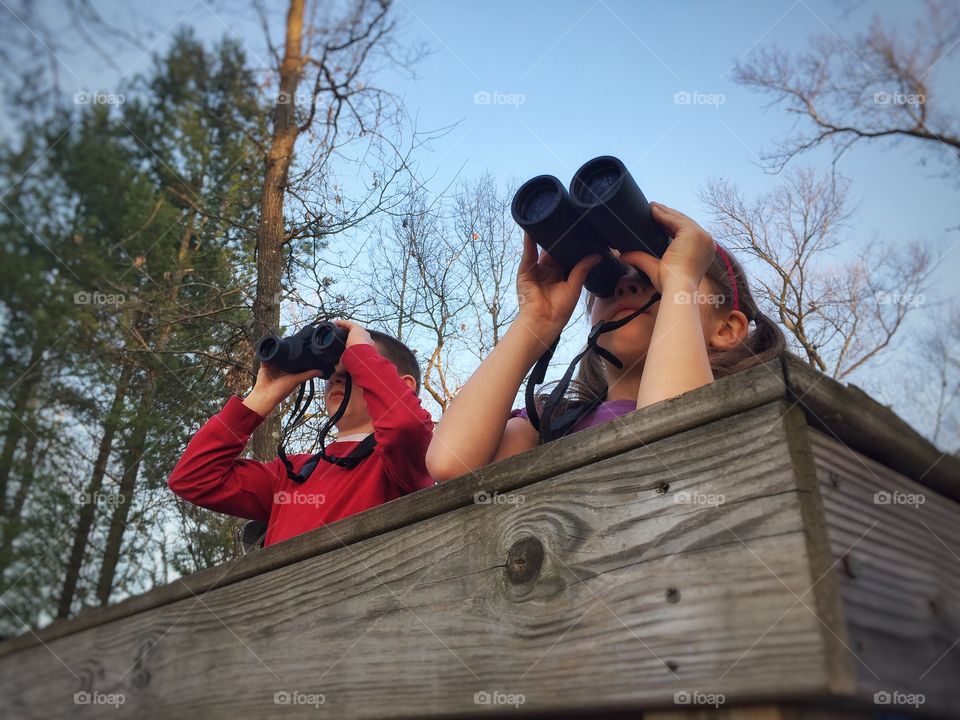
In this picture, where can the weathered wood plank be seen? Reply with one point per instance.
(721, 399)
(850, 416)
(899, 573)
(760, 712)
(594, 579)
(366, 572)
(839, 410)
(825, 599)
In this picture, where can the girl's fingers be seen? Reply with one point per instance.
(529, 258)
(673, 220)
(580, 271)
(638, 258)
(548, 261)
(535, 259)
(646, 263)
(550, 270)
(667, 210)
(670, 219)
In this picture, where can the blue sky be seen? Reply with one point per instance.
(571, 79)
(600, 78)
(597, 77)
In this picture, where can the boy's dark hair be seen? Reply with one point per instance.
(397, 353)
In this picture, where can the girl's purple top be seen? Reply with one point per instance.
(605, 411)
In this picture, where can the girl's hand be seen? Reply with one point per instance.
(687, 257)
(545, 293)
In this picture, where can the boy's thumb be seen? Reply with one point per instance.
(308, 375)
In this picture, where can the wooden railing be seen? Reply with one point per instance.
(772, 545)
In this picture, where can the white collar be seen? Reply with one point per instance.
(357, 437)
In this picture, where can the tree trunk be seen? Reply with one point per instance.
(11, 522)
(136, 442)
(133, 456)
(88, 509)
(271, 236)
(15, 422)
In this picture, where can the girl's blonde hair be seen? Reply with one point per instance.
(764, 341)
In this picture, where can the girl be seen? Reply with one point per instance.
(698, 330)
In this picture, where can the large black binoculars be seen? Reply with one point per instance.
(315, 347)
(604, 209)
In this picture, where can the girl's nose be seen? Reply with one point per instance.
(628, 288)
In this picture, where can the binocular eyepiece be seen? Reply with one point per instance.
(604, 209)
(315, 347)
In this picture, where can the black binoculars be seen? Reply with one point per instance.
(315, 347)
(604, 209)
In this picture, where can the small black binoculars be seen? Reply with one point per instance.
(315, 347)
(604, 209)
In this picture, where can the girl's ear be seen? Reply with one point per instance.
(730, 331)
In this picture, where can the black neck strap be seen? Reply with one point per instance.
(360, 451)
(549, 426)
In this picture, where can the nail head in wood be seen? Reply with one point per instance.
(852, 566)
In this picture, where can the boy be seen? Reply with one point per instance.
(383, 401)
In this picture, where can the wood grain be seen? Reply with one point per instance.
(760, 712)
(633, 597)
(588, 575)
(898, 569)
(724, 398)
(840, 410)
(853, 418)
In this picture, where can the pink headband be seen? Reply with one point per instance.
(733, 282)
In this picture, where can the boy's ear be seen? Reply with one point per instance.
(730, 331)
(410, 381)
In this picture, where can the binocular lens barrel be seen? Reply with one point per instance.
(267, 348)
(596, 184)
(604, 209)
(274, 350)
(329, 339)
(544, 209)
(605, 191)
(539, 198)
(315, 347)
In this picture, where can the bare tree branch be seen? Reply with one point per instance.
(877, 85)
(839, 315)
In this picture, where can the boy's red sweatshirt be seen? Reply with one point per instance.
(212, 474)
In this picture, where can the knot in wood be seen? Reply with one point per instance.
(524, 560)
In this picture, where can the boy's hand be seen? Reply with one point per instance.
(687, 258)
(272, 388)
(356, 334)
